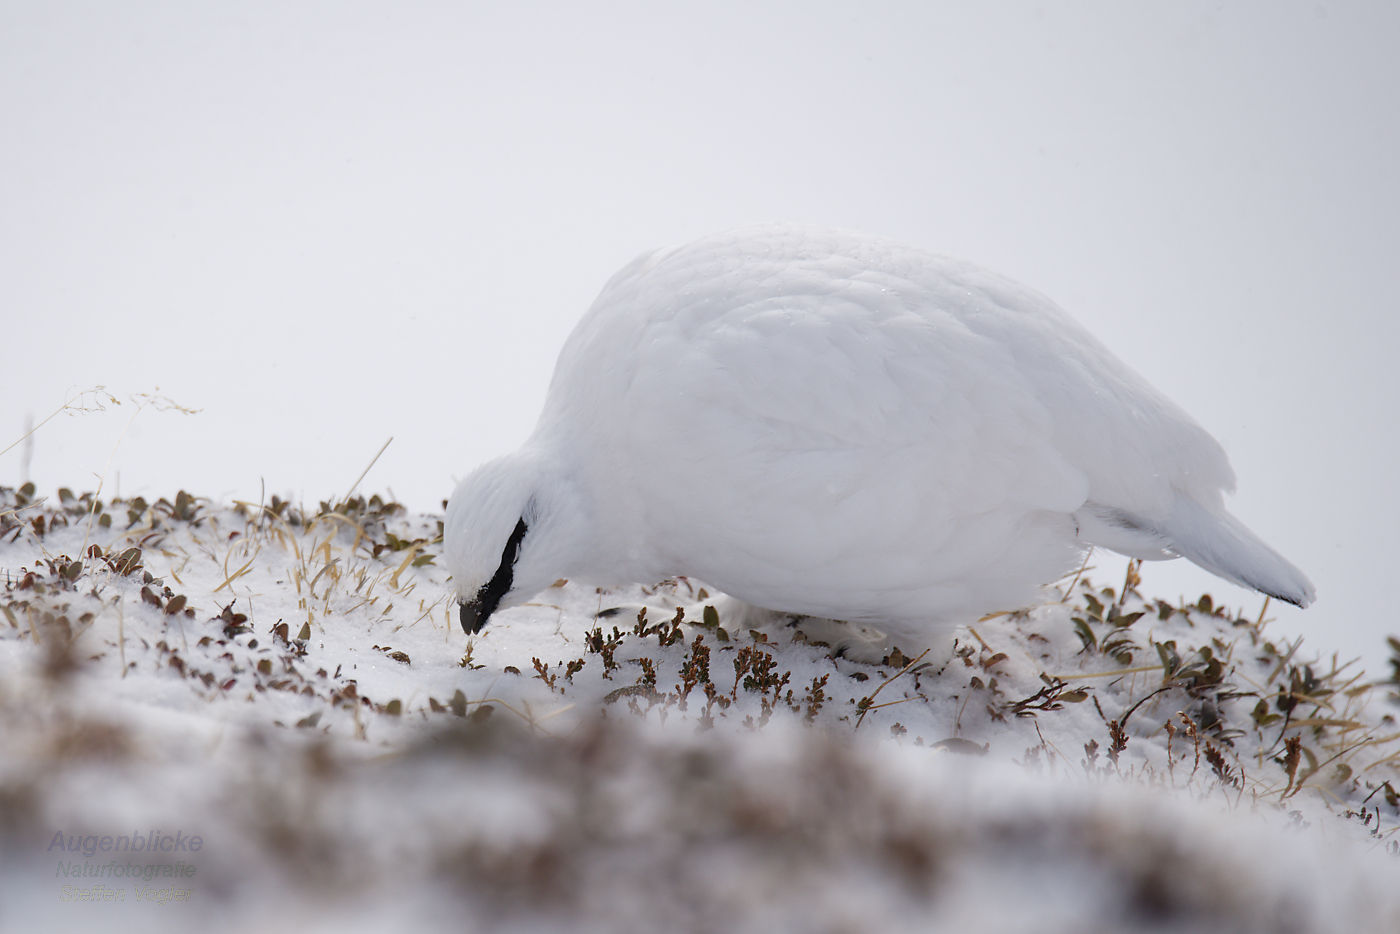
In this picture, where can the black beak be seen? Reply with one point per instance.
(473, 619)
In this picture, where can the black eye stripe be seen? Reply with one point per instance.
(511, 552)
(489, 597)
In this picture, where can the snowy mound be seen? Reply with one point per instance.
(291, 687)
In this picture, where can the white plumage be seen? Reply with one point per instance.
(835, 425)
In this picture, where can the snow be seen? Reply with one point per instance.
(338, 785)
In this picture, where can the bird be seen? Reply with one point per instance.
(835, 425)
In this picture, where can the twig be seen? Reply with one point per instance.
(867, 703)
(346, 497)
(1077, 574)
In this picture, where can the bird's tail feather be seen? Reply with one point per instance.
(1221, 544)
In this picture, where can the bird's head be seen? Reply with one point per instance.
(511, 530)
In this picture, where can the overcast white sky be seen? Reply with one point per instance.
(325, 223)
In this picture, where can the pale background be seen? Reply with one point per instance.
(326, 223)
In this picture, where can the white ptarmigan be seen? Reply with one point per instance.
(829, 424)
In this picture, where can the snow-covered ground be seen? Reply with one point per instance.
(264, 716)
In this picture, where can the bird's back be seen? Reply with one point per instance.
(822, 422)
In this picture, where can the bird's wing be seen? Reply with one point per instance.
(823, 384)
(858, 380)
